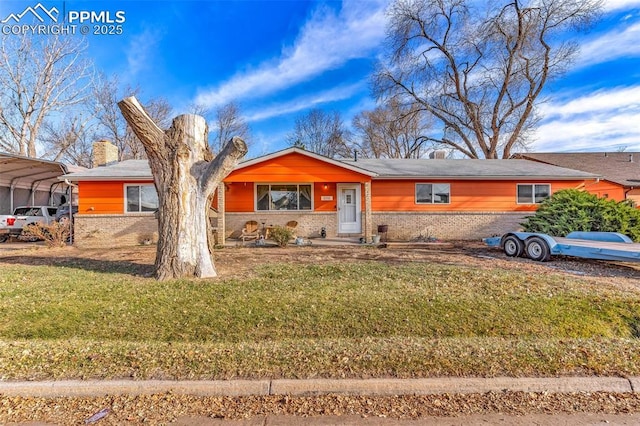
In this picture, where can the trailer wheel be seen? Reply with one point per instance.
(3, 238)
(537, 249)
(513, 246)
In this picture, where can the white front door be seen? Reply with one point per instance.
(349, 210)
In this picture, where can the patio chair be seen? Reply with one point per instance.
(250, 231)
(292, 225)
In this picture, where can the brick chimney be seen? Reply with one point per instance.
(104, 153)
(439, 154)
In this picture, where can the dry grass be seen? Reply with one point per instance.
(310, 312)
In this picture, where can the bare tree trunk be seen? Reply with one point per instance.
(185, 175)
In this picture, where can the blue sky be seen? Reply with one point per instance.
(279, 59)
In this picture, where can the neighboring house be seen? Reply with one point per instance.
(620, 171)
(416, 199)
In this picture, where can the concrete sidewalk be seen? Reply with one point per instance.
(373, 387)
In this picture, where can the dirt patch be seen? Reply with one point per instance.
(513, 408)
(240, 262)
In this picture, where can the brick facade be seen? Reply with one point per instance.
(93, 231)
(309, 224)
(408, 226)
(402, 226)
(97, 231)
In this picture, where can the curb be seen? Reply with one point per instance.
(371, 387)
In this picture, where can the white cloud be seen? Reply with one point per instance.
(305, 102)
(617, 43)
(327, 41)
(605, 120)
(598, 101)
(141, 51)
(612, 5)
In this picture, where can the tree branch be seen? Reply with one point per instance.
(152, 136)
(222, 165)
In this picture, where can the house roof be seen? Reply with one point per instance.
(123, 170)
(340, 163)
(619, 167)
(377, 168)
(140, 170)
(468, 169)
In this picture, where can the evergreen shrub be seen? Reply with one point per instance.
(575, 210)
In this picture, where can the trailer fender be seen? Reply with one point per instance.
(612, 237)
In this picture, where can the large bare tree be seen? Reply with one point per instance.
(393, 131)
(321, 132)
(479, 67)
(228, 122)
(185, 174)
(111, 124)
(39, 77)
(69, 139)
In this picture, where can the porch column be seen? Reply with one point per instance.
(368, 225)
(222, 227)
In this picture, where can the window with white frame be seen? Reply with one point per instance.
(283, 197)
(533, 193)
(433, 193)
(141, 198)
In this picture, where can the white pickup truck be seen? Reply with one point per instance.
(11, 225)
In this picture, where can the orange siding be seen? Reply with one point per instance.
(102, 197)
(291, 168)
(295, 168)
(495, 196)
(606, 189)
(240, 196)
(319, 191)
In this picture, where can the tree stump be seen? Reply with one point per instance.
(185, 174)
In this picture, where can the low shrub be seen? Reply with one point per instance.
(55, 234)
(281, 235)
(574, 210)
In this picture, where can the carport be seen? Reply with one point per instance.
(31, 181)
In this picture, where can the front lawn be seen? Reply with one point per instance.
(349, 318)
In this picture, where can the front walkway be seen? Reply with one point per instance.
(318, 242)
